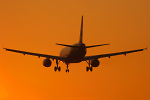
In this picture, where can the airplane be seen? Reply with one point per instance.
(74, 54)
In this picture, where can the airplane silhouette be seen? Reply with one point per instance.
(74, 54)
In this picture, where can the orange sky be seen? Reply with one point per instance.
(36, 25)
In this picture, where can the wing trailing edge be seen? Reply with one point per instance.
(111, 54)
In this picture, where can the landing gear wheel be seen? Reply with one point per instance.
(87, 69)
(59, 69)
(91, 69)
(55, 69)
(67, 70)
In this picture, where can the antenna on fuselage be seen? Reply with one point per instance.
(81, 31)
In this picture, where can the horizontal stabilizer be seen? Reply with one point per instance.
(96, 45)
(66, 45)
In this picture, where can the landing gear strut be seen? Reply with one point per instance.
(67, 70)
(89, 67)
(56, 67)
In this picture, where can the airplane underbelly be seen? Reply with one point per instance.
(73, 55)
(76, 56)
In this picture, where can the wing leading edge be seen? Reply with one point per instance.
(36, 54)
(111, 54)
(64, 58)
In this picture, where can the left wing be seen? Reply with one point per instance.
(36, 54)
(111, 54)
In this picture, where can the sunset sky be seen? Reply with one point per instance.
(37, 25)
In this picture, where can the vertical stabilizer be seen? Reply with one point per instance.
(81, 32)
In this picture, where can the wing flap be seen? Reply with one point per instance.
(36, 54)
(111, 54)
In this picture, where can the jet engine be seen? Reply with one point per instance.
(47, 62)
(95, 63)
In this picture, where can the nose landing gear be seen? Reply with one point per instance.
(67, 70)
(57, 68)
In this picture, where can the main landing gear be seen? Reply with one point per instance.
(56, 67)
(89, 67)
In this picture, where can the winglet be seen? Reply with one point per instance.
(4, 48)
(81, 31)
(146, 48)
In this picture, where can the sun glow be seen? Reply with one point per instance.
(36, 25)
(3, 93)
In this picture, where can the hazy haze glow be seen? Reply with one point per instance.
(36, 25)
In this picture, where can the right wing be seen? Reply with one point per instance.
(36, 54)
(111, 54)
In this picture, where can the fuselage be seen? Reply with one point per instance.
(74, 54)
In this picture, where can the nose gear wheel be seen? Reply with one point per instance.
(57, 68)
(67, 70)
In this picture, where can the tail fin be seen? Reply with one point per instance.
(81, 32)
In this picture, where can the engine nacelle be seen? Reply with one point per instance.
(47, 62)
(95, 63)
